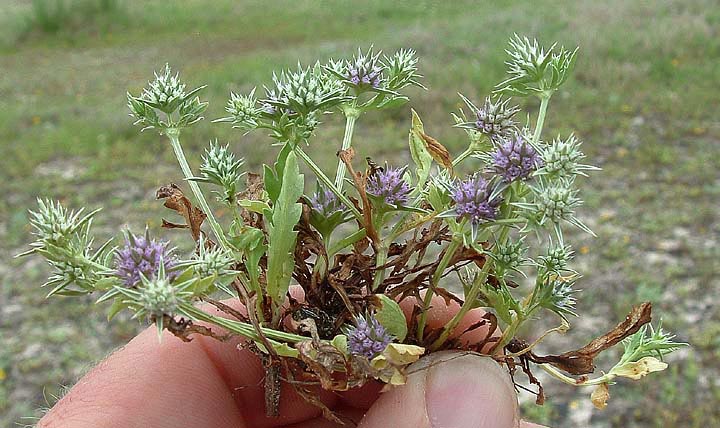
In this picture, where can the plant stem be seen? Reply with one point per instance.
(552, 371)
(174, 135)
(238, 327)
(467, 305)
(464, 155)
(326, 181)
(544, 100)
(435, 280)
(347, 241)
(351, 115)
(380, 260)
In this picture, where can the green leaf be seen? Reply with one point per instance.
(201, 286)
(282, 349)
(418, 150)
(390, 316)
(393, 102)
(281, 234)
(273, 176)
(254, 206)
(186, 275)
(250, 241)
(340, 343)
(105, 283)
(117, 306)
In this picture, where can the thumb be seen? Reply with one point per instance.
(448, 390)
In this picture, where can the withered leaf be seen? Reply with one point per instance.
(580, 361)
(600, 396)
(176, 200)
(437, 151)
(253, 187)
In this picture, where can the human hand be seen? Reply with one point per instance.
(207, 384)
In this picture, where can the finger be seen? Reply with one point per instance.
(350, 417)
(177, 384)
(449, 390)
(146, 383)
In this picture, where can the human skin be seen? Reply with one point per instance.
(207, 384)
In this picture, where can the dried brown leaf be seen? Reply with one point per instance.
(176, 201)
(580, 361)
(437, 151)
(600, 396)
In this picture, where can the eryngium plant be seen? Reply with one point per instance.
(365, 242)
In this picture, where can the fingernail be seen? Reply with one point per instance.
(469, 391)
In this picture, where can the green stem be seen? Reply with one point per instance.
(464, 155)
(509, 333)
(174, 135)
(347, 241)
(326, 181)
(467, 305)
(435, 280)
(544, 100)
(552, 371)
(380, 259)
(351, 116)
(238, 327)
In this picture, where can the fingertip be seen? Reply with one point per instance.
(449, 390)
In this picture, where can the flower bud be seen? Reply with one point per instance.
(368, 338)
(157, 297)
(562, 159)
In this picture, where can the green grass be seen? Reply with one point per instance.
(642, 99)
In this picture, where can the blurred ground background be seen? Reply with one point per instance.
(644, 98)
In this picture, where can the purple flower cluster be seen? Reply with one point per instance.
(368, 338)
(389, 185)
(141, 255)
(365, 69)
(515, 159)
(365, 76)
(472, 200)
(495, 119)
(325, 202)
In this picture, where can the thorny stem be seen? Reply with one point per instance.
(544, 100)
(351, 116)
(437, 275)
(173, 135)
(467, 305)
(326, 181)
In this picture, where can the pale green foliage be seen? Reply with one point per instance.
(221, 168)
(281, 236)
(418, 150)
(389, 314)
(164, 104)
(244, 112)
(562, 159)
(535, 70)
